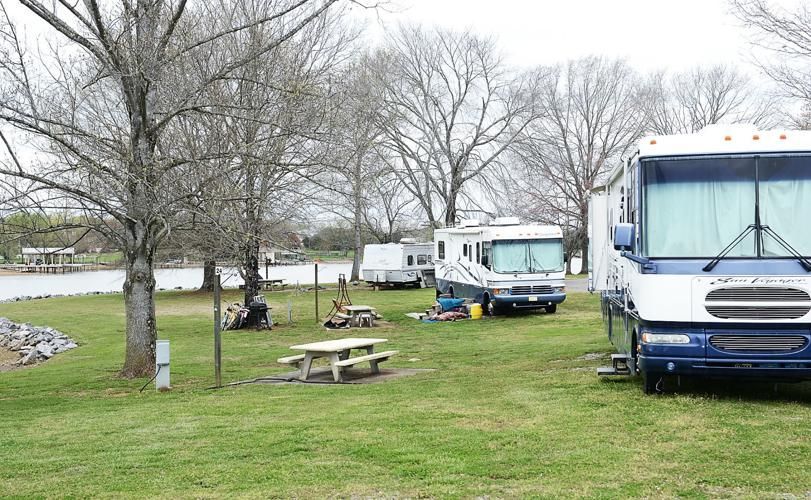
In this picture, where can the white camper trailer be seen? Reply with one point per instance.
(404, 263)
(504, 266)
(700, 252)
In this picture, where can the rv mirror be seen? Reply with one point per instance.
(624, 237)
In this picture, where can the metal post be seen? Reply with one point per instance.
(217, 340)
(316, 293)
(267, 269)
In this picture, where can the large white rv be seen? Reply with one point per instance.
(504, 266)
(404, 263)
(700, 250)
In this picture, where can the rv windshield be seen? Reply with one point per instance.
(695, 207)
(528, 256)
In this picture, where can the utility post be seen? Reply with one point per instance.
(316, 292)
(217, 340)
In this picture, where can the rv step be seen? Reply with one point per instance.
(619, 361)
(610, 370)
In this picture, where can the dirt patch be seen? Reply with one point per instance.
(8, 360)
(323, 375)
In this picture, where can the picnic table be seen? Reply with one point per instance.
(338, 353)
(355, 313)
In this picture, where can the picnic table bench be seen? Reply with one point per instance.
(338, 353)
(357, 315)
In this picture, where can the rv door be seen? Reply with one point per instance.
(598, 241)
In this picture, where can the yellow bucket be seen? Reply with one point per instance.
(475, 311)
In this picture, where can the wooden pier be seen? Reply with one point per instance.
(49, 268)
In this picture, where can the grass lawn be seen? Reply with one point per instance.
(512, 410)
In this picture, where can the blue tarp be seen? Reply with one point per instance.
(448, 304)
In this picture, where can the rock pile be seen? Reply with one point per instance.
(34, 343)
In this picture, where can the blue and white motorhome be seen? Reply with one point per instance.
(504, 266)
(700, 250)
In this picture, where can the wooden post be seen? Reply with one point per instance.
(217, 339)
(316, 293)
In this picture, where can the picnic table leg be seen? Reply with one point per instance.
(344, 355)
(306, 365)
(372, 363)
(336, 370)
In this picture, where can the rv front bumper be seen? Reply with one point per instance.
(795, 369)
(529, 301)
(695, 353)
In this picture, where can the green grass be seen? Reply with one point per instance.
(511, 411)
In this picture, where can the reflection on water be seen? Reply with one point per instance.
(25, 284)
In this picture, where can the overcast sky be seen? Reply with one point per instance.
(651, 34)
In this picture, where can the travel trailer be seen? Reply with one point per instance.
(700, 252)
(398, 264)
(504, 266)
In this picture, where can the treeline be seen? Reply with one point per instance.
(211, 126)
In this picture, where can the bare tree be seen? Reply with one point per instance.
(783, 41)
(591, 118)
(451, 109)
(689, 101)
(100, 107)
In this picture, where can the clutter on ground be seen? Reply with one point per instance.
(447, 308)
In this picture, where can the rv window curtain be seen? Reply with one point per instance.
(785, 203)
(546, 255)
(527, 256)
(696, 207)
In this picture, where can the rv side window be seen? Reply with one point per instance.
(464, 250)
(441, 250)
(470, 253)
(410, 260)
(486, 253)
(422, 260)
(478, 253)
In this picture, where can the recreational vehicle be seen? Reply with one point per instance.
(700, 252)
(504, 266)
(404, 263)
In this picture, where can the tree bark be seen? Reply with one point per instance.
(139, 303)
(208, 276)
(356, 225)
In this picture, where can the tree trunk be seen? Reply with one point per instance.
(251, 268)
(356, 224)
(584, 259)
(568, 262)
(139, 303)
(209, 278)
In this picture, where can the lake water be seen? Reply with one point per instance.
(30, 284)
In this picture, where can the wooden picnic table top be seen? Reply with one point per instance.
(338, 345)
(358, 308)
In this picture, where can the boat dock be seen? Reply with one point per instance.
(49, 268)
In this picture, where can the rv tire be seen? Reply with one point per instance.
(550, 309)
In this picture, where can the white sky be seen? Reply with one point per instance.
(650, 34)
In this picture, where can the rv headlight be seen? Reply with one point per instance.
(559, 289)
(665, 338)
(501, 291)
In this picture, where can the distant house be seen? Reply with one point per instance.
(48, 255)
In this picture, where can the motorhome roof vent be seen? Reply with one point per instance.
(468, 223)
(506, 221)
(408, 241)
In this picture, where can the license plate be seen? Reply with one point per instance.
(533, 299)
(743, 365)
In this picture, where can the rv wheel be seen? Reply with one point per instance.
(652, 382)
(550, 309)
(487, 307)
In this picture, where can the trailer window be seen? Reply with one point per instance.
(410, 260)
(440, 250)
